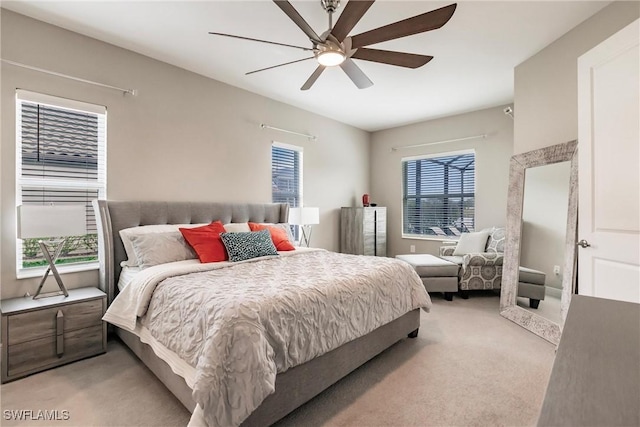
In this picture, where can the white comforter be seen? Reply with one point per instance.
(240, 324)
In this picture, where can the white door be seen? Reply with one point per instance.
(609, 168)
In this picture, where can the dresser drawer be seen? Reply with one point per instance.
(33, 325)
(41, 353)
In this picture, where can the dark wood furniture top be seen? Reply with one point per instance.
(595, 379)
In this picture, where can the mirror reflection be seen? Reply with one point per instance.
(544, 230)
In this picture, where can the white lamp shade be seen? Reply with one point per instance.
(51, 221)
(304, 216)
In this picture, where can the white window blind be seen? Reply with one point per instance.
(286, 178)
(439, 194)
(61, 159)
(286, 174)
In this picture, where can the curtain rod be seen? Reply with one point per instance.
(438, 142)
(78, 79)
(310, 137)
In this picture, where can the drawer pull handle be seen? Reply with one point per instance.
(60, 333)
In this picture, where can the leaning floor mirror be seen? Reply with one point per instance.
(540, 251)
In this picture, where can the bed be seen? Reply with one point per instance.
(293, 385)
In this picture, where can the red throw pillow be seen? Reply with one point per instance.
(278, 236)
(206, 242)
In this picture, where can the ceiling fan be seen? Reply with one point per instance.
(335, 48)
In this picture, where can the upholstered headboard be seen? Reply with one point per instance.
(113, 216)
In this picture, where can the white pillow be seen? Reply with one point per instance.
(471, 243)
(127, 233)
(237, 227)
(160, 248)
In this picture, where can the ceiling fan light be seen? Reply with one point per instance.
(330, 58)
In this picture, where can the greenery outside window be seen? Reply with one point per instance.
(438, 196)
(61, 160)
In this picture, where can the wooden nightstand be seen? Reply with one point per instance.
(41, 334)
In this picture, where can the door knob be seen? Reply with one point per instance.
(583, 244)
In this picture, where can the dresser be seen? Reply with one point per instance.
(363, 231)
(595, 380)
(48, 332)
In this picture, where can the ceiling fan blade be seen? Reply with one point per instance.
(352, 13)
(401, 59)
(418, 24)
(279, 65)
(261, 41)
(293, 14)
(356, 75)
(311, 80)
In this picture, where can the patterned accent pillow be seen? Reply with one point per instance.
(496, 240)
(242, 246)
(159, 248)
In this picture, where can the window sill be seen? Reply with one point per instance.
(27, 273)
(442, 239)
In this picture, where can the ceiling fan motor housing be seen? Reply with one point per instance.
(330, 5)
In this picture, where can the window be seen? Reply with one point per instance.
(286, 173)
(61, 159)
(286, 177)
(438, 194)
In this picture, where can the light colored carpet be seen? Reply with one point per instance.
(468, 367)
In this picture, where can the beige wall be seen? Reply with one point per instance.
(545, 91)
(183, 137)
(492, 168)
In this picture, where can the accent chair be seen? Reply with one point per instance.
(479, 270)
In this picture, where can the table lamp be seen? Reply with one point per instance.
(305, 218)
(52, 224)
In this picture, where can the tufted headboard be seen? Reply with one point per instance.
(113, 216)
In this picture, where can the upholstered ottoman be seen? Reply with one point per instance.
(437, 274)
(531, 285)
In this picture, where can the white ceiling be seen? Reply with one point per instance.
(474, 53)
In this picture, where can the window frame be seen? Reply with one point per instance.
(99, 184)
(403, 186)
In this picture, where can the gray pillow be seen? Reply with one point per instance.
(242, 246)
(159, 248)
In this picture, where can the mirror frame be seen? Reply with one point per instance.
(509, 308)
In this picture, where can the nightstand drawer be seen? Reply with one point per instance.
(41, 353)
(33, 325)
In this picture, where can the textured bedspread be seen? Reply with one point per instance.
(240, 324)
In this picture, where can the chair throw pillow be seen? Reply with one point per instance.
(471, 243)
(243, 246)
(497, 240)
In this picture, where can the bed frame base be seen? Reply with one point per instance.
(297, 385)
